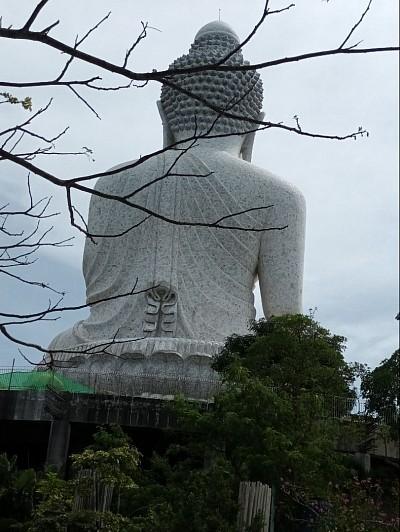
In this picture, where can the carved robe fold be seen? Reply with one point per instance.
(187, 281)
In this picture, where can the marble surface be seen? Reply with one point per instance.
(190, 285)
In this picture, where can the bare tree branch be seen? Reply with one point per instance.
(141, 36)
(356, 25)
(18, 248)
(159, 76)
(35, 14)
(70, 184)
(92, 29)
(53, 308)
(55, 83)
(21, 251)
(30, 282)
(252, 209)
(49, 28)
(276, 11)
(84, 101)
(5, 332)
(51, 352)
(250, 35)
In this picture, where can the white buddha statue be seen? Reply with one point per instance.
(192, 284)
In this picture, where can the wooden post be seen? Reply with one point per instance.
(254, 498)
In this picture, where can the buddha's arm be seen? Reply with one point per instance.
(102, 224)
(281, 257)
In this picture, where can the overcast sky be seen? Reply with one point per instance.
(351, 187)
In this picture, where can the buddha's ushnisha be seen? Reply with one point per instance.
(237, 93)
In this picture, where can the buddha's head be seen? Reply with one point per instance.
(238, 93)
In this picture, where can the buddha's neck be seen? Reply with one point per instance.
(231, 144)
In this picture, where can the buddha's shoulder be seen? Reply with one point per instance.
(123, 166)
(117, 175)
(259, 180)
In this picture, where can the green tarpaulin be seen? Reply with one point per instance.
(39, 380)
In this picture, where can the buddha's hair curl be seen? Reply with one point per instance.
(239, 93)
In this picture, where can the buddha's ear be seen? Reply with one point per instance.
(168, 136)
(246, 150)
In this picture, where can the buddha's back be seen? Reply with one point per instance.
(176, 243)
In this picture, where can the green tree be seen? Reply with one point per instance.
(274, 421)
(111, 462)
(110, 437)
(295, 354)
(16, 492)
(53, 512)
(271, 422)
(182, 492)
(381, 389)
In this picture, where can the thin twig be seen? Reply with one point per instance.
(77, 43)
(70, 184)
(249, 37)
(55, 82)
(34, 15)
(160, 75)
(56, 308)
(32, 283)
(46, 30)
(85, 102)
(141, 36)
(356, 26)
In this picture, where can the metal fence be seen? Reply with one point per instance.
(167, 386)
(140, 385)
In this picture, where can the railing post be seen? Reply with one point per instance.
(11, 374)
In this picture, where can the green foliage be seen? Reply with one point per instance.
(268, 424)
(361, 505)
(8, 469)
(356, 505)
(176, 493)
(275, 413)
(274, 418)
(181, 492)
(295, 353)
(110, 437)
(55, 511)
(271, 422)
(16, 489)
(381, 388)
(114, 467)
(268, 436)
(56, 498)
(9, 98)
(112, 461)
